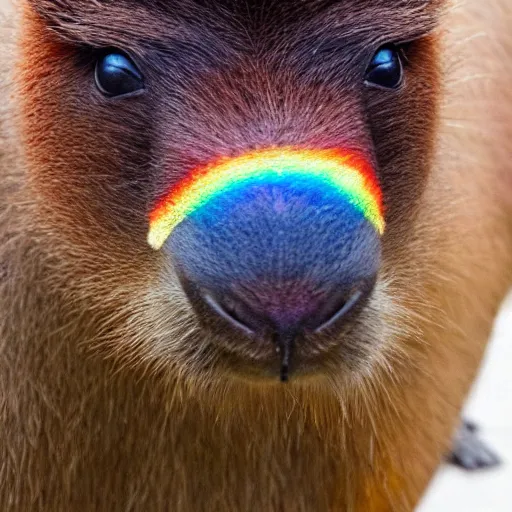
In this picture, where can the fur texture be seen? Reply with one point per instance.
(112, 396)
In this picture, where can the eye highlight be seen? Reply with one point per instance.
(385, 69)
(117, 75)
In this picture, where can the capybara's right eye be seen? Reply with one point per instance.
(117, 75)
(385, 69)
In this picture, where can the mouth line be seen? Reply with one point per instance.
(288, 366)
(285, 346)
(284, 341)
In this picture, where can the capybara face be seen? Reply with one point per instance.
(229, 183)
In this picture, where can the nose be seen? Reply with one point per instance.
(282, 311)
(286, 246)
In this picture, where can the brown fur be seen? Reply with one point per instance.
(108, 401)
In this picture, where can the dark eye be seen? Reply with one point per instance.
(385, 69)
(118, 75)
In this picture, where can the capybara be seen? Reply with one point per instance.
(250, 251)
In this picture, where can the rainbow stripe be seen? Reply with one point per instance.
(352, 176)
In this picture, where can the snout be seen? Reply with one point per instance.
(277, 245)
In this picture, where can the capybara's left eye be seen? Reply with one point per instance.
(118, 75)
(385, 69)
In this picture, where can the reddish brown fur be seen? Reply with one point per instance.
(108, 405)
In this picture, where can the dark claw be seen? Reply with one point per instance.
(470, 425)
(469, 452)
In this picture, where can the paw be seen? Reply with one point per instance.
(469, 452)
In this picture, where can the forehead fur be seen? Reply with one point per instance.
(110, 22)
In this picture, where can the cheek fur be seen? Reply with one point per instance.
(404, 126)
(87, 158)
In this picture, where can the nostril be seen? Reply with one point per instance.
(336, 309)
(231, 311)
(316, 319)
